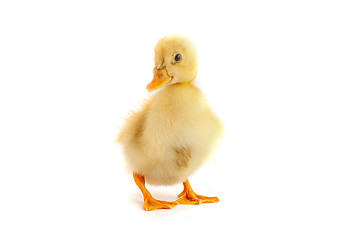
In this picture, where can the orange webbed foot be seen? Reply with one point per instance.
(188, 196)
(151, 204)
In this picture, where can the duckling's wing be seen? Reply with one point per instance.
(134, 126)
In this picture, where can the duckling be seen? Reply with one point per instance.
(175, 131)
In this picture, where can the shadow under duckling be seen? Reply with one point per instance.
(175, 131)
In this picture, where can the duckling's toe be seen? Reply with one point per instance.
(188, 196)
(151, 204)
(195, 199)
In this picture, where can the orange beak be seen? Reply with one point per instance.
(161, 78)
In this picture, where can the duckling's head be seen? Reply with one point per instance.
(175, 62)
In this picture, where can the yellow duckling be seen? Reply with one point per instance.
(175, 131)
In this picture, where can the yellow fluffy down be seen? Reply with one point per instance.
(172, 135)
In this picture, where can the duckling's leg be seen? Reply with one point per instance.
(151, 203)
(188, 196)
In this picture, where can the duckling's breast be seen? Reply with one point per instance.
(179, 133)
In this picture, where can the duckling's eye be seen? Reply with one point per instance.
(177, 57)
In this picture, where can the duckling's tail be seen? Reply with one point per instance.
(119, 138)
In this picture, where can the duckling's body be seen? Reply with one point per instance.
(171, 136)
(175, 131)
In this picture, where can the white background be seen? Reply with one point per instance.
(282, 75)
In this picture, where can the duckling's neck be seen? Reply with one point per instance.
(178, 93)
(182, 84)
